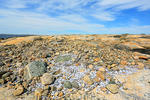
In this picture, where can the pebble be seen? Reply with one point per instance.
(101, 75)
(123, 62)
(47, 87)
(102, 69)
(140, 65)
(21, 70)
(56, 94)
(38, 93)
(53, 88)
(90, 66)
(103, 89)
(97, 59)
(6, 74)
(88, 80)
(2, 81)
(75, 85)
(61, 94)
(1, 64)
(47, 79)
(96, 79)
(18, 91)
(143, 57)
(10, 85)
(45, 92)
(113, 88)
(59, 89)
(25, 85)
(67, 84)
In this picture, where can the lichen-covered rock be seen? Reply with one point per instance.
(68, 84)
(63, 58)
(47, 79)
(34, 69)
(75, 84)
(6, 74)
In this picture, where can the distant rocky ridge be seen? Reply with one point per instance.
(5, 36)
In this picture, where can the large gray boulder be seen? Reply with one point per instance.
(34, 69)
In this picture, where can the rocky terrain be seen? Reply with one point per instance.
(75, 67)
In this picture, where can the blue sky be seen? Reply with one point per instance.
(74, 16)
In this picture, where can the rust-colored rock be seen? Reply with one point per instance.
(88, 80)
(18, 91)
(61, 94)
(143, 57)
(101, 75)
(113, 88)
(140, 65)
(97, 59)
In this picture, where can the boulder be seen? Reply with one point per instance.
(34, 69)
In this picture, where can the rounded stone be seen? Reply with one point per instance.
(68, 84)
(101, 75)
(38, 93)
(61, 94)
(47, 79)
(113, 88)
(18, 91)
(87, 80)
(75, 85)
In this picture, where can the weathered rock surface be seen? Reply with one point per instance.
(47, 79)
(68, 85)
(75, 85)
(63, 58)
(18, 91)
(34, 69)
(1, 64)
(88, 80)
(113, 88)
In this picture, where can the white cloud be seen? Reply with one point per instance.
(131, 29)
(15, 4)
(25, 21)
(70, 15)
(104, 16)
(126, 4)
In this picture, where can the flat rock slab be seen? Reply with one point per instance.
(63, 58)
(113, 88)
(34, 69)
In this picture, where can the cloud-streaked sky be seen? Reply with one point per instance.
(74, 16)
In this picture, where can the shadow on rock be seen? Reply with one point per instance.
(144, 51)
